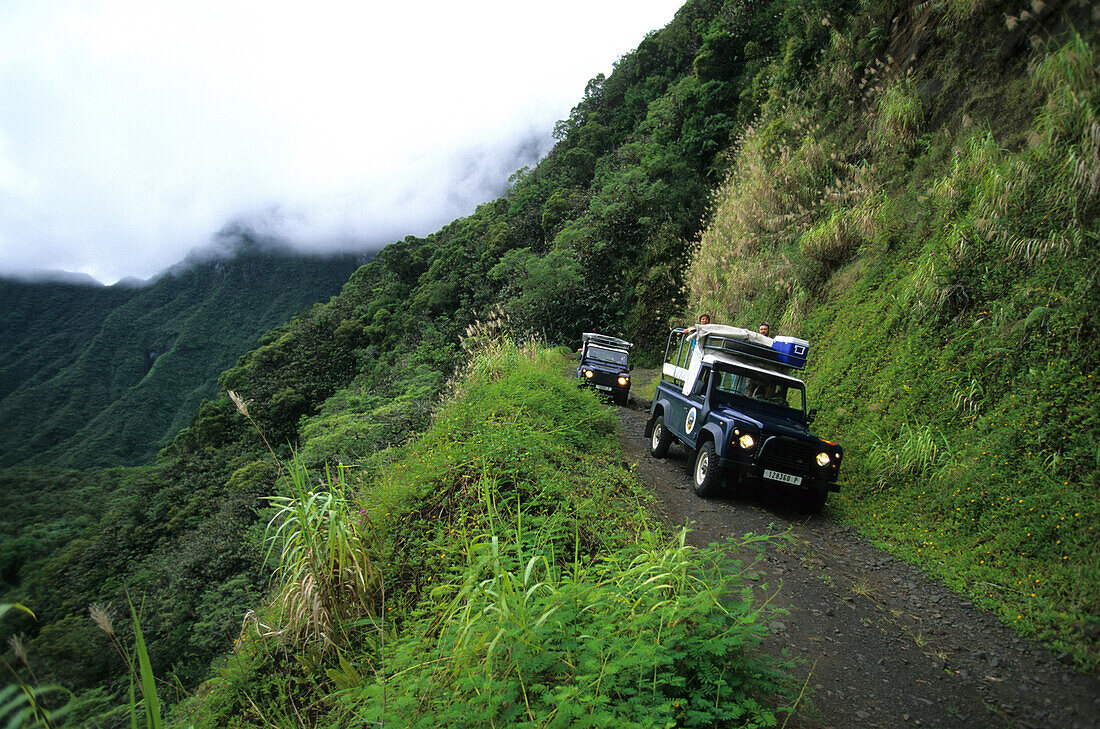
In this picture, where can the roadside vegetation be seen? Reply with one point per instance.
(501, 568)
(946, 275)
(913, 186)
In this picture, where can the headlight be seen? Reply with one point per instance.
(746, 441)
(624, 380)
(588, 374)
(823, 459)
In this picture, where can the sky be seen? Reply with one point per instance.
(132, 131)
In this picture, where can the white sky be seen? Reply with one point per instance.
(131, 131)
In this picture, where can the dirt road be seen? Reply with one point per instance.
(879, 642)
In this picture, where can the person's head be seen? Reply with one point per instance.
(704, 318)
(764, 328)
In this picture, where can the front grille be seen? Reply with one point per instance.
(604, 378)
(788, 453)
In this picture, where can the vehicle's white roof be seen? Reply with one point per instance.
(718, 358)
(723, 330)
(605, 340)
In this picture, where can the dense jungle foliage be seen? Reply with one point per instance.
(912, 186)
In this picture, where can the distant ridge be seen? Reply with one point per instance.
(52, 276)
(97, 375)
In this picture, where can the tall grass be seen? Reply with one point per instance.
(144, 707)
(954, 325)
(524, 581)
(899, 114)
(1070, 75)
(325, 570)
(25, 703)
(647, 637)
(913, 453)
(794, 210)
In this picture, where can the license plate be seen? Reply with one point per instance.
(784, 477)
(604, 387)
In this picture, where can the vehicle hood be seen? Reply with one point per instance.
(601, 366)
(766, 423)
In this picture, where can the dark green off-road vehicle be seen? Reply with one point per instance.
(605, 365)
(730, 397)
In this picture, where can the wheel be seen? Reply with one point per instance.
(813, 500)
(621, 398)
(706, 477)
(660, 440)
(734, 485)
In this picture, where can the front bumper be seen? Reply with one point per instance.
(604, 382)
(777, 474)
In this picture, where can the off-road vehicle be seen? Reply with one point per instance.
(730, 397)
(605, 365)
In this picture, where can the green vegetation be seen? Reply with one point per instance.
(917, 197)
(500, 569)
(106, 376)
(25, 703)
(946, 275)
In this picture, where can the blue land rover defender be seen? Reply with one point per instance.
(730, 397)
(605, 365)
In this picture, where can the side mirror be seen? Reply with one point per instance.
(811, 415)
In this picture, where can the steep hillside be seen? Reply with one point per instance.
(47, 325)
(105, 376)
(910, 185)
(924, 209)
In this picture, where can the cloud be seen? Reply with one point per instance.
(133, 131)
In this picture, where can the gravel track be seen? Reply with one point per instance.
(878, 642)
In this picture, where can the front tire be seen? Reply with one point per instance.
(660, 440)
(706, 476)
(813, 500)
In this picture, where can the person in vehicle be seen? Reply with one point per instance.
(704, 319)
(774, 393)
(754, 388)
(764, 328)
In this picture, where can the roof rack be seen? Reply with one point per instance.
(742, 349)
(605, 340)
(783, 352)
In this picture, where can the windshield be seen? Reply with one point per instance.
(607, 355)
(762, 387)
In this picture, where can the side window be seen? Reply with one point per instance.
(675, 357)
(796, 399)
(701, 383)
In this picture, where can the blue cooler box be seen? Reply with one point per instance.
(792, 351)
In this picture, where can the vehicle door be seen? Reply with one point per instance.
(688, 412)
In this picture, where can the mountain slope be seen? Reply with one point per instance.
(47, 325)
(926, 212)
(105, 376)
(842, 221)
